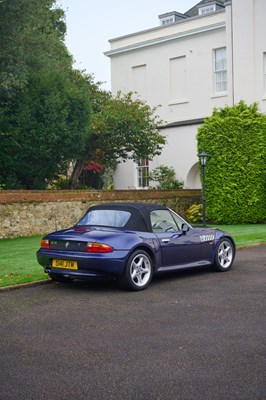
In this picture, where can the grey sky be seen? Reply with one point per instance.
(91, 23)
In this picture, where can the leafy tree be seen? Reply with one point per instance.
(47, 129)
(165, 176)
(235, 138)
(51, 115)
(31, 39)
(44, 103)
(121, 128)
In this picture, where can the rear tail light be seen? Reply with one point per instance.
(93, 247)
(45, 244)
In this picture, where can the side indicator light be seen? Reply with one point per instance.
(94, 247)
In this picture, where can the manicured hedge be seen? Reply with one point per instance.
(235, 138)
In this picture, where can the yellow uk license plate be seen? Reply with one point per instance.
(66, 264)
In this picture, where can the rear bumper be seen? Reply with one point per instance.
(96, 265)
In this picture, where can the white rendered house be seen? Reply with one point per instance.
(212, 55)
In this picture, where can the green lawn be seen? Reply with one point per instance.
(18, 262)
(245, 235)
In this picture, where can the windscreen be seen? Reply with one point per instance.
(114, 218)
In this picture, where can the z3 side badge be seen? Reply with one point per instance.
(206, 238)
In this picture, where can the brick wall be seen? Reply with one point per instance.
(36, 212)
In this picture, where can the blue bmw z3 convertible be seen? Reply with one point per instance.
(131, 242)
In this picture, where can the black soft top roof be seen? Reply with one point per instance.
(140, 213)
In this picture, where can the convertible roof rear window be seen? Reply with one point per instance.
(133, 216)
(114, 218)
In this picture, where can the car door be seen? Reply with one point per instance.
(177, 248)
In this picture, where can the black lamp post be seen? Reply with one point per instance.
(203, 158)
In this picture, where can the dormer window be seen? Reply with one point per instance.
(167, 21)
(207, 9)
(170, 18)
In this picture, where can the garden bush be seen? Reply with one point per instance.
(194, 213)
(235, 139)
(166, 178)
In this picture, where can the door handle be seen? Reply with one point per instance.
(165, 240)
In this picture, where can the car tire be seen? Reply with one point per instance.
(138, 272)
(224, 256)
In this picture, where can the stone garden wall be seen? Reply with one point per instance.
(34, 212)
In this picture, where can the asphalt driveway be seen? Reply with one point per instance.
(191, 335)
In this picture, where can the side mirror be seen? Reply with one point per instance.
(185, 228)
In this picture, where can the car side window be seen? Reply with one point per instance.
(163, 221)
(178, 220)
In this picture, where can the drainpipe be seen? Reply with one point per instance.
(232, 55)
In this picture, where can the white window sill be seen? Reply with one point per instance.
(217, 95)
(176, 102)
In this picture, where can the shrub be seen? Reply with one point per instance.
(235, 138)
(165, 176)
(61, 183)
(194, 213)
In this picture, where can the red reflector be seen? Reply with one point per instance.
(45, 244)
(82, 230)
(93, 247)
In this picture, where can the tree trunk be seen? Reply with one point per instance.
(78, 168)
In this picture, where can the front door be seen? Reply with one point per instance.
(177, 247)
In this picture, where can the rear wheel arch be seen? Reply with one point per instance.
(149, 251)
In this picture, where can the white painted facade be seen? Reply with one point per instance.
(174, 66)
